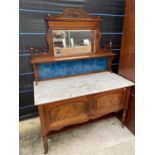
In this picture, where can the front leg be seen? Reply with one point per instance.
(127, 96)
(43, 127)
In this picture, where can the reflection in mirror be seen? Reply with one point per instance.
(73, 42)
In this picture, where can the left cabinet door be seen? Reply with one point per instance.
(65, 113)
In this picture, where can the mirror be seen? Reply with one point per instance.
(73, 42)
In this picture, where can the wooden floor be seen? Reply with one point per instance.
(104, 137)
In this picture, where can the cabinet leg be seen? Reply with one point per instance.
(45, 144)
(123, 117)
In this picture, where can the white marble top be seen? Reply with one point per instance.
(66, 88)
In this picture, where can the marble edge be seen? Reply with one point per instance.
(56, 100)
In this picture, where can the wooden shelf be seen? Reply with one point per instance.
(46, 58)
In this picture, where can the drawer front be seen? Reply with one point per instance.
(69, 112)
(108, 102)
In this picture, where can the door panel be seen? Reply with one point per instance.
(105, 103)
(72, 111)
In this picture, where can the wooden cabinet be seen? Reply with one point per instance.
(68, 112)
(75, 100)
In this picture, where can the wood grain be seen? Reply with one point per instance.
(127, 55)
(46, 58)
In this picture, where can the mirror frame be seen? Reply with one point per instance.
(73, 19)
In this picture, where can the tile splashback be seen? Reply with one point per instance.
(68, 68)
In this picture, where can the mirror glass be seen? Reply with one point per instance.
(73, 42)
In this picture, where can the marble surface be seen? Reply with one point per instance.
(71, 87)
(103, 137)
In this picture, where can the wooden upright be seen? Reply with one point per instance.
(127, 58)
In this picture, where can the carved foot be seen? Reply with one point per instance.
(123, 118)
(45, 145)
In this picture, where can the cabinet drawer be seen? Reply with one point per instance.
(105, 103)
(68, 112)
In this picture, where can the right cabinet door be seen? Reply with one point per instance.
(104, 103)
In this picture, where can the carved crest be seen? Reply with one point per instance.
(73, 13)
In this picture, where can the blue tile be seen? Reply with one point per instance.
(75, 67)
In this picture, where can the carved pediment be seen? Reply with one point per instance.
(75, 13)
(72, 13)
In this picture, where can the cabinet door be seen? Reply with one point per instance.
(68, 112)
(104, 103)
